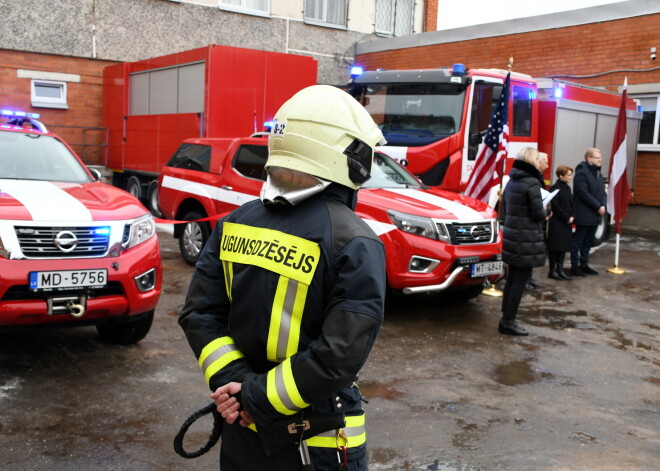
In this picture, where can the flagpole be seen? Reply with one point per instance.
(617, 147)
(615, 269)
(490, 289)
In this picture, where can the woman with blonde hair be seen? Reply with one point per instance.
(523, 247)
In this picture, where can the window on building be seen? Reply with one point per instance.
(649, 132)
(48, 94)
(328, 12)
(522, 111)
(394, 17)
(246, 6)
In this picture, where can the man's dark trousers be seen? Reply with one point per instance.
(583, 239)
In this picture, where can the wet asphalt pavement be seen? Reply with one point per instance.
(445, 390)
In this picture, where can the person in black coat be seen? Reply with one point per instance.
(523, 247)
(590, 201)
(560, 231)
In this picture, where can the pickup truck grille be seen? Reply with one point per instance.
(40, 242)
(471, 233)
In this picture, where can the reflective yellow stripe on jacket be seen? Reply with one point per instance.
(218, 354)
(282, 391)
(355, 430)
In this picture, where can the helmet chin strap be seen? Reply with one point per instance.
(287, 186)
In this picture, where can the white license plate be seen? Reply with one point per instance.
(486, 268)
(67, 279)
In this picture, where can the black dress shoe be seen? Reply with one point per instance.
(563, 275)
(534, 283)
(577, 272)
(555, 276)
(588, 270)
(511, 328)
(529, 286)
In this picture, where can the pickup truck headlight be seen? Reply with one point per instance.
(138, 231)
(419, 225)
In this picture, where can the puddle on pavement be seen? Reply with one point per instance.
(466, 438)
(371, 389)
(388, 459)
(625, 343)
(519, 372)
(557, 319)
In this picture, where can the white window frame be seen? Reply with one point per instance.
(323, 21)
(656, 128)
(393, 20)
(222, 5)
(49, 102)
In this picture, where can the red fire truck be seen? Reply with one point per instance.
(151, 106)
(435, 119)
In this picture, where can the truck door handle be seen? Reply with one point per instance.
(226, 187)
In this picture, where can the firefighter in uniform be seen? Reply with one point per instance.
(288, 295)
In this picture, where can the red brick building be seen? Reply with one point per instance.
(596, 53)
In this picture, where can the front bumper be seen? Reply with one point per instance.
(449, 264)
(118, 300)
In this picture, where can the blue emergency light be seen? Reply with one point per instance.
(558, 92)
(356, 71)
(458, 70)
(269, 124)
(19, 114)
(102, 230)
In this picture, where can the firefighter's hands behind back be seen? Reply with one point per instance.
(227, 403)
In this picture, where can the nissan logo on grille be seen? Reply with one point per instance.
(479, 233)
(66, 241)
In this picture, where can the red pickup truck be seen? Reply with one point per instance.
(434, 240)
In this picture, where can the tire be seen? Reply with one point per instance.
(127, 333)
(603, 231)
(193, 237)
(134, 187)
(152, 199)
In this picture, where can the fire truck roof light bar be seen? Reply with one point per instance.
(356, 71)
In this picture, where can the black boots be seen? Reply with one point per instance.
(511, 328)
(556, 265)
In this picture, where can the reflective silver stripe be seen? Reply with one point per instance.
(217, 354)
(285, 320)
(281, 390)
(349, 431)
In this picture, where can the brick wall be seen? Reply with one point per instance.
(431, 15)
(647, 175)
(589, 49)
(84, 98)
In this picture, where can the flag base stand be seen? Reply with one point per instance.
(616, 270)
(490, 290)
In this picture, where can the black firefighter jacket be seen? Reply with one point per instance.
(588, 194)
(288, 300)
(523, 213)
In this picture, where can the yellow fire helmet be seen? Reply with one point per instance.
(323, 131)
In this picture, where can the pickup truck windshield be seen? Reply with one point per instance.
(386, 173)
(414, 114)
(27, 156)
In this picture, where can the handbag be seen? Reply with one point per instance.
(293, 429)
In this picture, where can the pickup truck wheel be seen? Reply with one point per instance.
(126, 333)
(193, 237)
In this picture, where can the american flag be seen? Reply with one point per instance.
(487, 171)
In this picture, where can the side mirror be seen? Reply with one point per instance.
(97, 174)
(475, 139)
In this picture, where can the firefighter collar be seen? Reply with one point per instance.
(287, 186)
